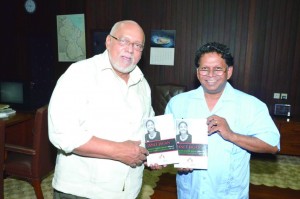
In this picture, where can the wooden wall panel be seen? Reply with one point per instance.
(100, 15)
(264, 36)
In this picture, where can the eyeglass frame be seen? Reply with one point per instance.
(214, 70)
(125, 42)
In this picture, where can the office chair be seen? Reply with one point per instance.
(163, 93)
(2, 127)
(36, 163)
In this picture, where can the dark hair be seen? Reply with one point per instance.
(150, 121)
(182, 122)
(214, 47)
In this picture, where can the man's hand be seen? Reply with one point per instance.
(219, 125)
(128, 152)
(184, 170)
(156, 166)
(131, 153)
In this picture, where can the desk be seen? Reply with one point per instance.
(18, 130)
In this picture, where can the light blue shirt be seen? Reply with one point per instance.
(228, 170)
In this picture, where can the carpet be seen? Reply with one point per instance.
(16, 189)
(280, 170)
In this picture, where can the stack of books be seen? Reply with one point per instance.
(182, 142)
(6, 111)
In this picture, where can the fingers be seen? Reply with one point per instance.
(141, 157)
(213, 123)
(137, 164)
(219, 125)
(133, 166)
(132, 154)
(144, 151)
(213, 120)
(157, 167)
(184, 170)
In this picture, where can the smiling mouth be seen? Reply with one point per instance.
(127, 59)
(211, 82)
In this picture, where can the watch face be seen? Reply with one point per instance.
(30, 6)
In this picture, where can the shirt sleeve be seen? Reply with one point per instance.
(261, 124)
(66, 117)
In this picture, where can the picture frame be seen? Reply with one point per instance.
(98, 38)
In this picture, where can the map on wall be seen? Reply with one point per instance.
(71, 37)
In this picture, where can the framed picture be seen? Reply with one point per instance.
(71, 37)
(99, 37)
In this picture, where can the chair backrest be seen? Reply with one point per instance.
(163, 93)
(45, 153)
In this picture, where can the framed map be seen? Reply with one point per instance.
(71, 37)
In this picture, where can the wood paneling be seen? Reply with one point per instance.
(263, 35)
(289, 135)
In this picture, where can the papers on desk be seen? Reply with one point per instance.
(5, 111)
(4, 106)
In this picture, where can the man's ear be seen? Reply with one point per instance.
(107, 41)
(197, 73)
(229, 72)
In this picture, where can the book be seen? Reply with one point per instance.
(192, 143)
(160, 140)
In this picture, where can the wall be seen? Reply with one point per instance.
(264, 36)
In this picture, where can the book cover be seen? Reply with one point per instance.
(192, 143)
(160, 140)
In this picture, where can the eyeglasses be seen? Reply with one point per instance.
(126, 42)
(216, 71)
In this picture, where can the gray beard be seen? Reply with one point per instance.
(124, 70)
(120, 69)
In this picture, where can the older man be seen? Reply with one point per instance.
(95, 120)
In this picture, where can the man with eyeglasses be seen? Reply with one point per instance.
(96, 115)
(238, 124)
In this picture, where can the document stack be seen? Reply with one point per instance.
(6, 111)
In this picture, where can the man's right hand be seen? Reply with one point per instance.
(131, 153)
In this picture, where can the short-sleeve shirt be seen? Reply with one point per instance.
(228, 170)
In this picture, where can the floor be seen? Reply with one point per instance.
(166, 189)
